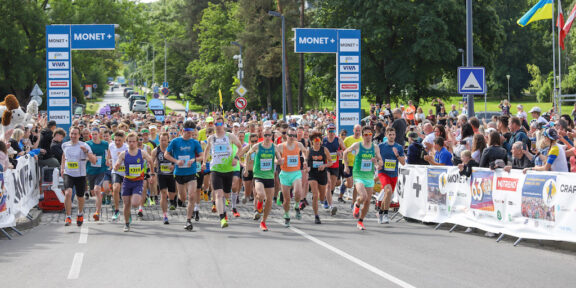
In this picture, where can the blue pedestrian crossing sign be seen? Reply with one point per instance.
(471, 80)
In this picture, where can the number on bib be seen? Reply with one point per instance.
(292, 160)
(185, 159)
(366, 165)
(265, 164)
(121, 168)
(166, 167)
(317, 164)
(73, 165)
(334, 156)
(390, 165)
(135, 170)
(98, 162)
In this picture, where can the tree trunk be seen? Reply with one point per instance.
(289, 109)
(269, 95)
(301, 80)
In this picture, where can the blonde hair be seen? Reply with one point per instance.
(466, 153)
(18, 134)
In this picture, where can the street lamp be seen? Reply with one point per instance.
(240, 64)
(153, 62)
(278, 14)
(165, 81)
(461, 51)
(508, 77)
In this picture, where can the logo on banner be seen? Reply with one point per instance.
(349, 45)
(58, 56)
(437, 181)
(61, 102)
(57, 40)
(481, 190)
(538, 194)
(349, 68)
(59, 93)
(348, 86)
(349, 119)
(350, 77)
(58, 64)
(60, 116)
(58, 83)
(58, 74)
(506, 184)
(349, 104)
(349, 59)
(349, 95)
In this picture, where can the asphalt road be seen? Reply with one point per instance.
(333, 254)
(117, 96)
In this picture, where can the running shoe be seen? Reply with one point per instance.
(96, 217)
(279, 200)
(68, 221)
(86, 195)
(251, 198)
(147, 202)
(115, 216)
(385, 219)
(298, 214)
(196, 216)
(223, 223)
(172, 207)
(263, 226)
(333, 211)
(127, 227)
(341, 200)
(166, 220)
(380, 218)
(303, 204)
(244, 200)
(213, 208)
(140, 213)
(256, 216)
(326, 206)
(79, 220)
(317, 220)
(286, 222)
(356, 212)
(360, 225)
(235, 212)
(188, 226)
(227, 202)
(259, 206)
(152, 201)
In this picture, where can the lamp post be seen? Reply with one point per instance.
(277, 14)
(508, 77)
(462, 51)
(240, 64)
(165, 54)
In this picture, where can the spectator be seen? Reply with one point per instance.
(429, 136)
(467, 139)
(502, 127)
(467, 163)
(437, 103)
(416, 151)
(574, 112)
(494, 151)
(442, 157)
(521, 113)
(410, 111)
(4, 160)
(521, 158)
(505, 107)
(420, 116)
(556, 157)
(431, 117)
(517, 134)
(399, 125)
(46, 138)
(453, 113)
(478, 146)
(536, 114)
(56, 146)
(442, 116)
(475, 124)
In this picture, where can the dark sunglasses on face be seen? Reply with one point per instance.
(219, 124)
(292, 135)
(267, 135)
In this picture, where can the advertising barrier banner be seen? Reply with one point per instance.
(538, 205)
(22, 186)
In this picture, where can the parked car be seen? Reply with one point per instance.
(128, 90)
(140, 106)
(135, 97)
(115, 107)
(487, 115)
(79, 109)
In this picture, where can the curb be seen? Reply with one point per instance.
(25, 223)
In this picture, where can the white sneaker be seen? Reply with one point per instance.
(380, 218)
(385, 219)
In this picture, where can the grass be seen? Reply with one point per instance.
(92, 108)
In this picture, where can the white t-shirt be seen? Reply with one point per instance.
(522, 115)
(75, 165)
(429, 139)
(114, 153)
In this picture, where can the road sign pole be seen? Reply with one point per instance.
(469, 51)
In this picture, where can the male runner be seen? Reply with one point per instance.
(97, 171)
(114, 150)
(391, 153)
(165, 170)
(348, 142)
(318, 162)
(366, 158)
(335, 146)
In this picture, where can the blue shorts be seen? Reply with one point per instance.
(130, 188)
(288, 178)
(108, 176)
(367, 183)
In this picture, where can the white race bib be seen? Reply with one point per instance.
(317, 164)
(265, 164)
(185, 158)
(98, 162)
(366, 165)
(292, 161)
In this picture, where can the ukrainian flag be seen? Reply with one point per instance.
(542, 10)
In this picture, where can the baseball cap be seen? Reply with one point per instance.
(152, 127)
(536, 109)
(236, 124)
(331, 126)
(551, 133)
(144, 131)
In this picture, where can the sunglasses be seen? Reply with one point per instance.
(140, 139)
(292, 135)
(267, 135)
(368, 134)
(331, 131)
(219, 124)
(317, 140)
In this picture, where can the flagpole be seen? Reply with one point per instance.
(554, 101)
(559, 102)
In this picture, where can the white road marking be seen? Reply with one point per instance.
(353, 259)
(83, 235)
(76, 266)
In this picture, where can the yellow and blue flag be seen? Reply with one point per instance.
(220, 94)
(541, 11)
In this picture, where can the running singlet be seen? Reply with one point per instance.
(557, 159)
(164, 166)
(316, 159)
(222, 154)
(75, 165)
(134, 166)
(390, 167)
(114, 153)
(184, 150)
(291, 158)
(349, 141)
(264, 162)
(363, 165)
(235, 152)
(99, 151)
(333, 148)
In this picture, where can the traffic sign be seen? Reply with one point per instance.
(165, 84)
(240, 103)
(95, 86)
(315, 40)
(156, 95)
(241, 90)
(156, 89)
(165, 91)
(471, 80)
(36, 91)
(86, 92)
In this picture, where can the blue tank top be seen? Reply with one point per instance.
(134, 166)
(333, 149)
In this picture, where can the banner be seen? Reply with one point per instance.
(157, 108)
(22, 186)
(7, 219)
(538, 205)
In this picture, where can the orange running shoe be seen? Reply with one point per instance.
(79, 220)
(213, 208)
(356, 212)
(96, 217)
(360, 225)
(235, 213)
(68, 221)
(263, 226)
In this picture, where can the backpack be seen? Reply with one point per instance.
(420, 153)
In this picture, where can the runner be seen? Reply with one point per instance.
(133, 182)
(219, 147)
(366, 158)
(147, 176)
(182, 151)
(348, 142)
(165, 170)
(264, 155)
(290, 174)
(318, 162)
(248, 174)
(237, 180)
(107, 183)
(114, 150)
(391, 153)
(73, 170)
(335, 146)
(97, 171)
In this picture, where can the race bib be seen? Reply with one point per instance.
(122, 168)
(98, 162)
(292, 160)
(72, 166)
(334, 156)
(390, 165)
(252, 156)
(185, 159)
(265, 164)
(135, 170)
(317, 164)
(198, 166)
(366, 165)
(220, 148)
(166, 167)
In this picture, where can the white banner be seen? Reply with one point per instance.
(537, 205)
(7, 218)
(23, 186)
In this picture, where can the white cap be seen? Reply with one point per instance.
(267, 124)
(236, 124)
(536, 109)
(152, 127)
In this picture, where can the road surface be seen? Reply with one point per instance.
(117, 96)
(333, 254)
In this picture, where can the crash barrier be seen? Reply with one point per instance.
(19, 193)
(536, 205)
